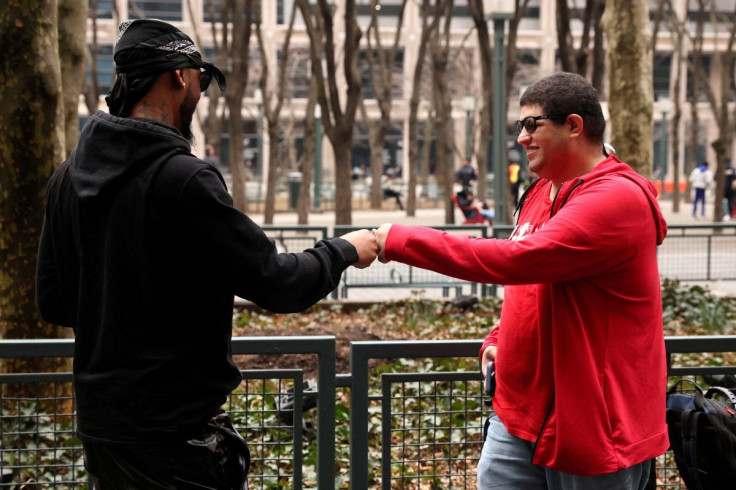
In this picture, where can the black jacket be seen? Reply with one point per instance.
(142, 253)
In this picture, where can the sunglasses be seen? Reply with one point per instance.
(205, 78)
(530, 123)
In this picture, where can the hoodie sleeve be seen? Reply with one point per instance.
(48, 289)
(602, 227)
(227, 241)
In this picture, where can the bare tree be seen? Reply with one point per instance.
(578, 60)
(91, 91)
(718, 100)
(308, 155)
(695, 66)
(338, 121)
(72, 30)
(380, 69)
(273, 102)
(212, 127)
(630, 63)
(678, 38)
(241, 14)
(486, 57)
(439, 47)
(32, 145)
(413, 129)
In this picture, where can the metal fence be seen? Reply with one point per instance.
(396, 275)
(409, 426)
(700, 252)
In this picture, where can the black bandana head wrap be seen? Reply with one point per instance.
(145, 49)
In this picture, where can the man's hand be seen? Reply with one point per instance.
(365, 243)
(488, 355)
(381, 234)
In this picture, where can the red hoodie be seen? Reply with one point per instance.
(581, 364)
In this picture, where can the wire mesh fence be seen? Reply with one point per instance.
(414, 429)
(38, 443)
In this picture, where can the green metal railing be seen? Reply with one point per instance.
(406, 428)
(699, 252)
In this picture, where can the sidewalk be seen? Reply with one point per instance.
(436, 216)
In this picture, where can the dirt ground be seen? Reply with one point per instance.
(347, 325)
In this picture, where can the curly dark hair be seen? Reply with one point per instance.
(562, 94)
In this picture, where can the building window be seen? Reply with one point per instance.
(662, 64)
(104, 9)
(105, 69)
(397, 76)
(212, 11)
(169, 10)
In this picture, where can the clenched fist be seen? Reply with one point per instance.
(365, 243)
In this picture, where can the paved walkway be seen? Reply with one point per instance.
(430, 217)
(436, 216)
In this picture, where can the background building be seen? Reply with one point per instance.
(537, 54)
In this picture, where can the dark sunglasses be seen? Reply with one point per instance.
(205, 78)
(530, 123)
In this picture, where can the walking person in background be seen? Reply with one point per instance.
(579, 350)
(389, 192)
(142, 253)
(729, 192)
(515, 181)
(466, 175)
(701, 178)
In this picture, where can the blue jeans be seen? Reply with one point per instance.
(505, 463)
(699, 198)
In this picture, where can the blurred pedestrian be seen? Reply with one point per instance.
(701, 179)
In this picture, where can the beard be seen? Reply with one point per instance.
(186, 112)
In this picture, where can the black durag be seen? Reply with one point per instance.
(146, 48)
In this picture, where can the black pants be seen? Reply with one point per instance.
(217, 459)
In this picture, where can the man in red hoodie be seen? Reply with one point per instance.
(579, 350)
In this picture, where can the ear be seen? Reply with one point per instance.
(576, 124)
(179, 80)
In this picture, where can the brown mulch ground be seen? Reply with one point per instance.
(348, 324)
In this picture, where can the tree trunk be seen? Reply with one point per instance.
(72, 45)
(31, 142)
(237, 82)
(440, 50)
(212, 127)
(343, 173)
(413, 129)
(486, 108)
(91, 92)
(338, 121)
(675, 128)
(308, 156)
(630, 101)
(376, 138)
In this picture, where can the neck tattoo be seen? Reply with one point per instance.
(159, 111)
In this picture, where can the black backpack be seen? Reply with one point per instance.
(702, 435)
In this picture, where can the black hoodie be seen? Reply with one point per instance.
(142, 253)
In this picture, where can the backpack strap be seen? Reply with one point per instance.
(689, 444)
(680, 381)
(724, 391)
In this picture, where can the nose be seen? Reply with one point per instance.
(523, 136)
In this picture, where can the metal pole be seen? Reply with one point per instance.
(663, 170)
(318, 157)
(468, 133)
(499, 119)
(259, 149)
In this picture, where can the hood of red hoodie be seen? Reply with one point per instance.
(611, 166)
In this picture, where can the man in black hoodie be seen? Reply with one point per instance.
(141, 254)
